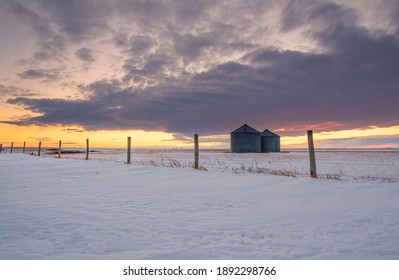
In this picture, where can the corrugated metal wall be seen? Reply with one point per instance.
(245, 143)
(270, 144)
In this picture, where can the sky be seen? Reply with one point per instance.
(160, 71)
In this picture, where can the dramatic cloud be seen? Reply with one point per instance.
(349, 84)
(208, 66)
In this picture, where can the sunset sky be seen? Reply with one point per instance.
(160, 71)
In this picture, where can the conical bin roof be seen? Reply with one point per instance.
(268, 133)
(245, 129)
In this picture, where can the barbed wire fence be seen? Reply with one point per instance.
(382, 166)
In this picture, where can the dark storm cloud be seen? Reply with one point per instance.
(85, 54)
(47, 75)
(173, 28)
(351, 80)
(353, 83)
(59, 109)
(181, 35)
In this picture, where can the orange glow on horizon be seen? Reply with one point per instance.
(76, 136)
(360, 133)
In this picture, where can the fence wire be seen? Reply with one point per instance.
(381, 166)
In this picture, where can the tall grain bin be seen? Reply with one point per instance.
(270, 142)
(245, 139)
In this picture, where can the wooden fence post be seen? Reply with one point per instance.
(23, 149)
(12, 147)
(59, 149)
(87, 149)
(129, 149)
(1, 148)
(40, 148)
(312, 156)
(196, 151)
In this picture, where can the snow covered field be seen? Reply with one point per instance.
(364, 165)
(75, 209)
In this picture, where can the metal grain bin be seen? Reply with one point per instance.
(270, 142)
(245, 139)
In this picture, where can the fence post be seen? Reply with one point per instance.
(40, 148)
(312, 156)
(59, 149)
(12, 146)
(196, 151)
(129, 149)
(1, 148)
(87, 149)
(23, 149)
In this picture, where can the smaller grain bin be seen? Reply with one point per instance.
(270, 142)
(245, 139)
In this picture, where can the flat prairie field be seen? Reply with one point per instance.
(358, 165)
(237, 206)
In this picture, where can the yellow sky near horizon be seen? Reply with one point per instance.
(319, 137)
(76, 137)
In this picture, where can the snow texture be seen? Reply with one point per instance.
(76, 209)
(347, 165)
